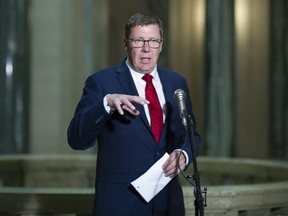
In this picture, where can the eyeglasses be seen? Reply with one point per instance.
(138, 42)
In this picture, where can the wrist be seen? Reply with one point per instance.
(184, 153)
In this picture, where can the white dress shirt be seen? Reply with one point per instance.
(140, 86)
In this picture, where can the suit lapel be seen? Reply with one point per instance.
(168, 91)
(126, 80)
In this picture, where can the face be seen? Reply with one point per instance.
(144, 59)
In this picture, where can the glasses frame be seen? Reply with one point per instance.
(159, 41)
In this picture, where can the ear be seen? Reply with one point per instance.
(160, 48)
(125, 43)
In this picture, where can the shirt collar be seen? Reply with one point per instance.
(139, 75)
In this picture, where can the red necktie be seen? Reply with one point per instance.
(155, 110)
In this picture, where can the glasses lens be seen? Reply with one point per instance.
(137, 43)
(154, 43)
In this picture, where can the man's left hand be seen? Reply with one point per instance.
(174, 164)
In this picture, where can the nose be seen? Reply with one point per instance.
(146, 47)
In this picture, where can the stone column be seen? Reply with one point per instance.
(14, 76)
(219, 90)
(279, 79)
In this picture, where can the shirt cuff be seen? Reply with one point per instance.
(107, 108)
(185, 155)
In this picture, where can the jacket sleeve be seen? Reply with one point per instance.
(89, 118)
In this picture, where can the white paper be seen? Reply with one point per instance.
(153, 180)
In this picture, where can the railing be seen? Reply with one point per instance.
(46, 201)
(63, 185)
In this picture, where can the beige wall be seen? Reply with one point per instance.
(251, 78)
(63, 54)
(187, 20)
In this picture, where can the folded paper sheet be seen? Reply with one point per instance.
(153, 181)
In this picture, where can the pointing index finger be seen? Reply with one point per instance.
(139, 100)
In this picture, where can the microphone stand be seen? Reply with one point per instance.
(198, 202)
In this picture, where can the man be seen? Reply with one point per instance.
(133, 132)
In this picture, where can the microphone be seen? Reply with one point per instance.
(180, 96)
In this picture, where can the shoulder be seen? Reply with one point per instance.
(172, 75)
(109, 72)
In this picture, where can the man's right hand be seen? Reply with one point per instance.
(122, 102)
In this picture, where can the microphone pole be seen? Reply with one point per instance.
(198, 202)
(187, 121)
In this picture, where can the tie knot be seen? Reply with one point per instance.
(147, 78)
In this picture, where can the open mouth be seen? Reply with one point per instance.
(145, 59)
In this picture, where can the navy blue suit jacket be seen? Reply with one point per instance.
(126, 146)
